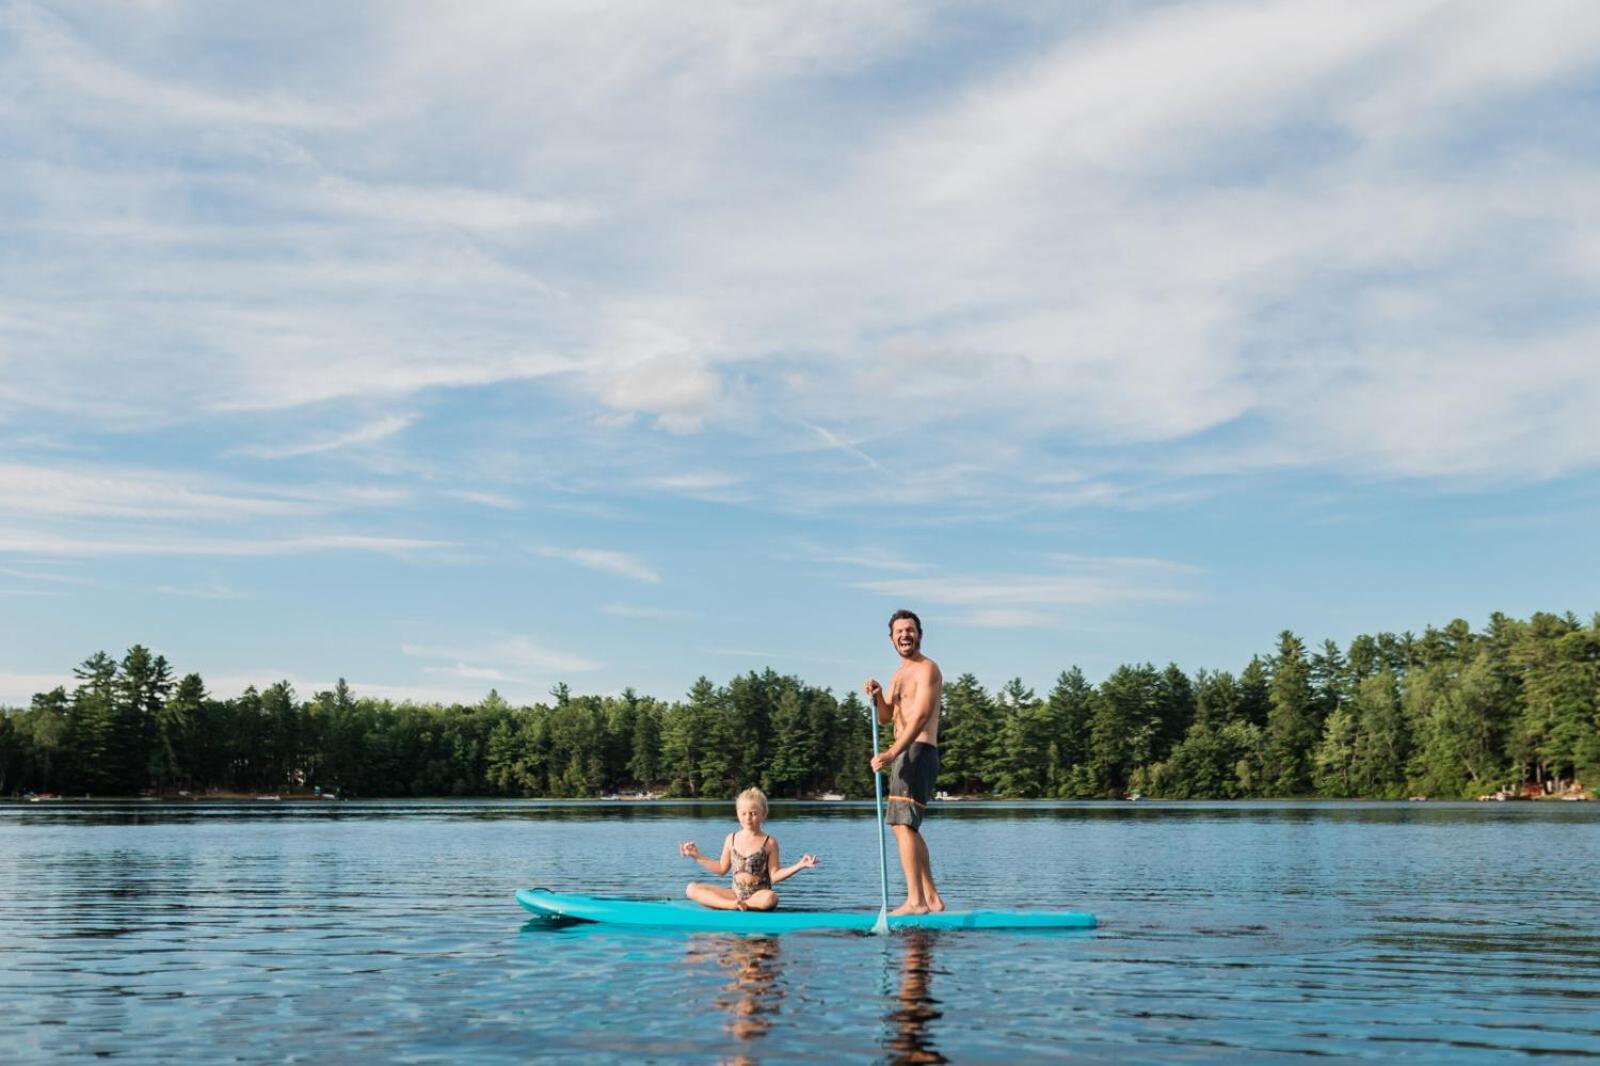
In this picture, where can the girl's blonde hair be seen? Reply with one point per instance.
(755, 797)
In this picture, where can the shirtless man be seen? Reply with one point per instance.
(913, 758)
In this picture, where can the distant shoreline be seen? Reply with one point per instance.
(315, 798)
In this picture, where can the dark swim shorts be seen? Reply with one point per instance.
(911, 781)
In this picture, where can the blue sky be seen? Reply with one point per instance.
(445, 347)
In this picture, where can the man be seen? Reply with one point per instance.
(913, 758)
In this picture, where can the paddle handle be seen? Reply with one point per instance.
(877, 791)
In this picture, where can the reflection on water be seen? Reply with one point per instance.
(910, 1039)
(753, 993)
(750, 999)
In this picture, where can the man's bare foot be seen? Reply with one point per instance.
(910, 908)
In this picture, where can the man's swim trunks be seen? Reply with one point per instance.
(911, 781)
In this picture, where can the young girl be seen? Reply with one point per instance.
(752, 856)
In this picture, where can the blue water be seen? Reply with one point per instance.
(349, 931)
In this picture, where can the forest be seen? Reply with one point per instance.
(1449, 713)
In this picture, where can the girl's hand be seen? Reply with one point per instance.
(805, 862)
(689, 850)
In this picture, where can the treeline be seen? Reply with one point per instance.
(1450, 713)
(130, 727)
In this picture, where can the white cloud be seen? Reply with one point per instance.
(866, 558)
(62, 60)
(498, 501)
(18, 689)
(56, 545)
(508, 658)
(695, 482)
(44, 575)
(1000, 618)
(1137, 232)
(665, 614)
(1012, 600)
(607, 562)
(472, 209)
(125, 492)
(676, 387)
(211, 590)
(367, 434)
(779, 659)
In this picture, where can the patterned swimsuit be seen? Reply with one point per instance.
(750, 871)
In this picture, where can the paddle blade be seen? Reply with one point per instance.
(881, 926)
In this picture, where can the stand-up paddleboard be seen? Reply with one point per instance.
(682, 914)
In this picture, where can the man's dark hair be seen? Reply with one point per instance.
(902, 613)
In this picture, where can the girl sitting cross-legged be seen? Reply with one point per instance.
(751, 854)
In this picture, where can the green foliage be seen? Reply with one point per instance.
(967, 735)
(1291, 721)
(1449, 713)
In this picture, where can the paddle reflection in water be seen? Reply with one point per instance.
(754, 994)
(910, 1039)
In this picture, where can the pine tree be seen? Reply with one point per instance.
(92, 726)
(1017, 766)
(1291, 730)
(1068, 713)
(1123, 727)
(1383, 738)
(967, 735)
(173, 761)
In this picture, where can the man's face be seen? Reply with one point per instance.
(905, 637)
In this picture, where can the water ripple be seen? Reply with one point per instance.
(343, 931)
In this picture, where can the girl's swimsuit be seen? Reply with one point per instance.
(750, 871)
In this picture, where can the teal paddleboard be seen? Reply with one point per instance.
(682, 914)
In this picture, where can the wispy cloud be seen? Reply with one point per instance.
(446, 206)
(18, 689)
(607, 562)
(211, 590)
(499, 501)
(367, 434)
(47, 576)
(833, 440)
(81, 490)
(1118, 258)
(865, 558)
(512, 658)
(663, 614)
(127, 492)
(776, 658)
(1000, 618)
(1012, 600)
(49, 544)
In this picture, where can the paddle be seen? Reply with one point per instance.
(881, 927)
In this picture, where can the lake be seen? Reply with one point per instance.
(342, 931)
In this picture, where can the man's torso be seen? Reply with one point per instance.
(908, 683)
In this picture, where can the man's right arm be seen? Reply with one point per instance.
(880, 706)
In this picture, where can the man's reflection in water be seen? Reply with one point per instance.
(909, 1039)
(755, 992)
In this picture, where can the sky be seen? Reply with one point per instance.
(445, 347)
